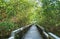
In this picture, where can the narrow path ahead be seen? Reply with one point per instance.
(32, 33)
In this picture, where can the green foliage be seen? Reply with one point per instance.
(6, 25)
(17, 13)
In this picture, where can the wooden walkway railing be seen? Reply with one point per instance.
(32, 32)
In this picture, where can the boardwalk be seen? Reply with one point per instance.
(32, 33)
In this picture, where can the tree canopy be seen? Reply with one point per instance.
(17, 13)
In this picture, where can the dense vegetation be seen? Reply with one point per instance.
(17, 13)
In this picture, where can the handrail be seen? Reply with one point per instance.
(17, 31)
(43, 31)
(48, 34)
(53, 36)
(40, 27)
